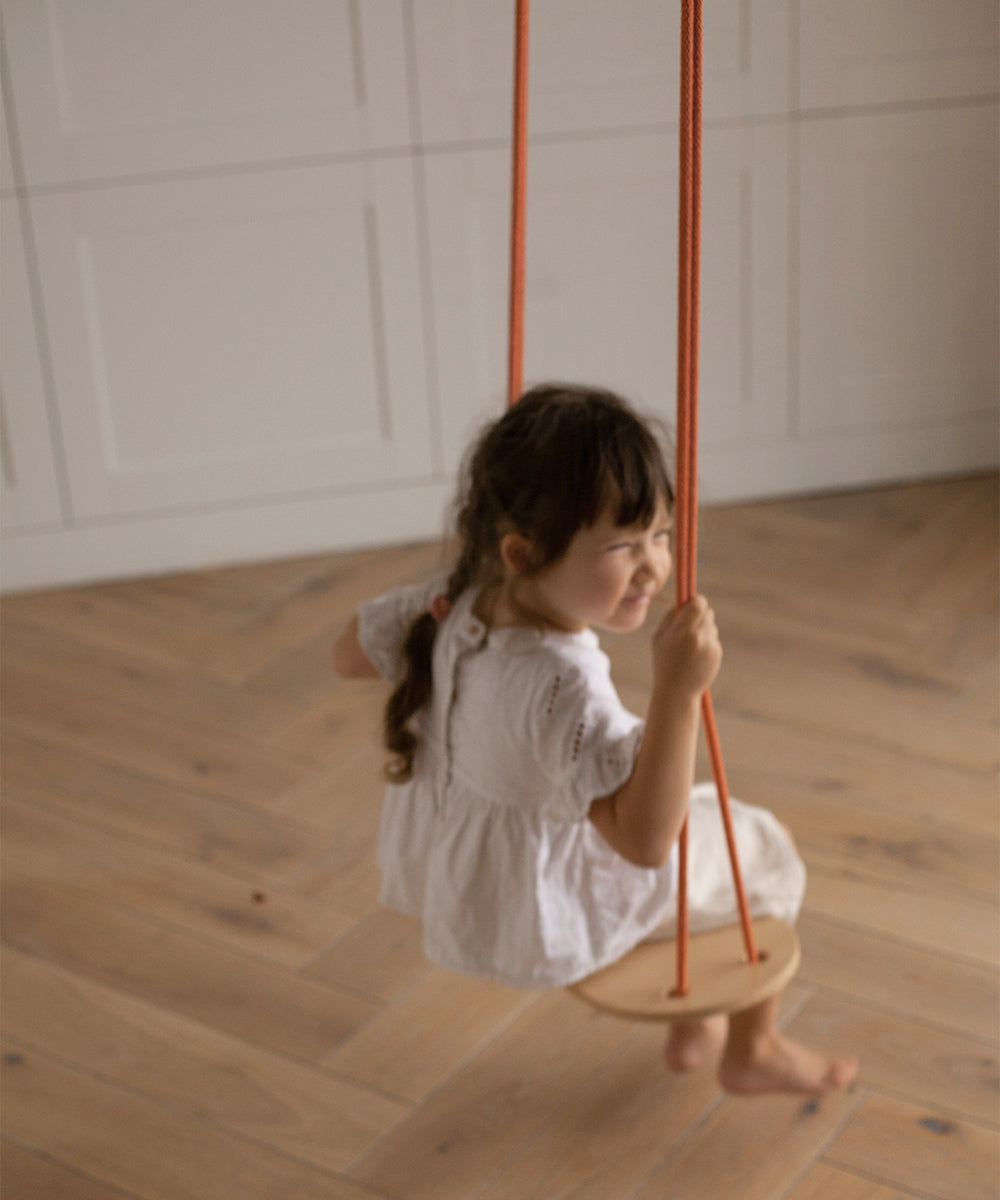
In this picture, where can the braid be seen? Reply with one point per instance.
(409, 697)
(415, 689)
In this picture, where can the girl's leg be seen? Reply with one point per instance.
(692, 1044)
(758, 1058)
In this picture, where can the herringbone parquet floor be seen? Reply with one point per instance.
(202, 999)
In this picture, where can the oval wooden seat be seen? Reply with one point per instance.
(639, 985)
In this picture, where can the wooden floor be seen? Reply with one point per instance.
(202, 998)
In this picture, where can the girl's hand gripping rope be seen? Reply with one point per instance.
(687, 652)
(644, 817)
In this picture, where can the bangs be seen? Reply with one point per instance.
(634, 487)
(635, 480)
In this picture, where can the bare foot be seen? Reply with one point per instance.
(776, 1064)
(691, 1044)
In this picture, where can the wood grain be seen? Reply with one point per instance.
(202, 997)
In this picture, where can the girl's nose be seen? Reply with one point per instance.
(655, 565)
(647, 569)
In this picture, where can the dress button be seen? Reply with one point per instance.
(473, 629)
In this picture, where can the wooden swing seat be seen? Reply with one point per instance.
(722, 981)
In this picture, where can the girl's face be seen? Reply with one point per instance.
(606, 578)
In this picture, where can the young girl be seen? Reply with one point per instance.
(530, 819)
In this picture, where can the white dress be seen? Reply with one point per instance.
(489, 843)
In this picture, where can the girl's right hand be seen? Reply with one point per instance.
(687, 652)
(644, 817)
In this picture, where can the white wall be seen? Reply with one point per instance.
(255, 256)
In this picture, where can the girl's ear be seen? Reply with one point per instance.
(516, 552)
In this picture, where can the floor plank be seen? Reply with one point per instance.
(169, 692)
(824, 1182)
(924, 1149)
(381, 956)
(240, 994)
(183, 893)
(603, 1139)
(898, 977)
(181, 1063)
(931, 918)
(426, 1033)
(181, 753)
(190, 821)
(752, 1150)
(907, 1058)
(26, 1176)
(72, 1117)
(463, 1133)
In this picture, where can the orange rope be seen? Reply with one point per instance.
(687, 336)
(688, 305)
(519, 177)
(687, 341)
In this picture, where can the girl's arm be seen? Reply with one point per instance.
(349, 660)
(643, 819)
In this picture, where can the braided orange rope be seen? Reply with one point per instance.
(519, 181)
(688, 304)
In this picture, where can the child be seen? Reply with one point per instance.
(530, 820)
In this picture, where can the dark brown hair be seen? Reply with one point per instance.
(546, 470)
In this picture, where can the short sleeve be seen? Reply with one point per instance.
(385, 622)
(587, 740)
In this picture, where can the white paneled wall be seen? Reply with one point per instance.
(226, 337)
(30, 487)
(595, 66)
(255, 255)
(114, 88)
(601, 294)
(895, 270)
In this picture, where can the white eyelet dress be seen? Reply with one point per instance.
(489, 843)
